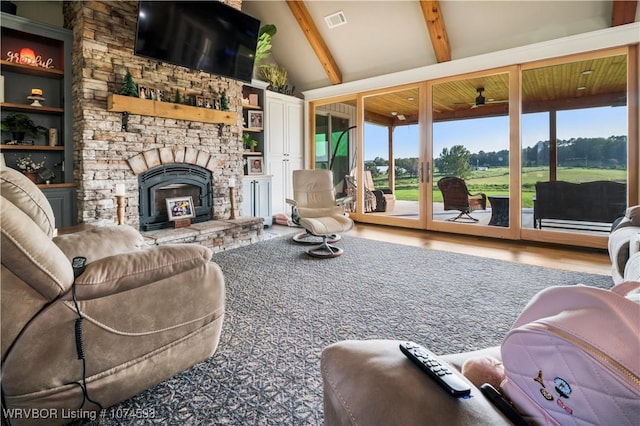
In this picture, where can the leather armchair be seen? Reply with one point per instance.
(148, 313)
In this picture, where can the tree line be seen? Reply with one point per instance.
(599, 152)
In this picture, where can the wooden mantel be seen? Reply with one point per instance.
(120, 103)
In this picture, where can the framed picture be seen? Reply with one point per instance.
(200, 101)
(208, 103)
(255, 165)
(180, 208)
(255, 119)
(143, 92)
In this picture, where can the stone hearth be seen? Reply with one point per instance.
(216, 234)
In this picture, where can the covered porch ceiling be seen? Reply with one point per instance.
(582, 84)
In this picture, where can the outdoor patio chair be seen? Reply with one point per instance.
(385, 200)
(457, 197)
(370, 202)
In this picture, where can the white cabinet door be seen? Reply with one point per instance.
(256, 198)
(284, 144)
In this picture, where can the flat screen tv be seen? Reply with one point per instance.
(201, 35)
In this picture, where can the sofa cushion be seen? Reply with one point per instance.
(26, 196)
(30, 253)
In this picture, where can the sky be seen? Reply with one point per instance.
(492, 134)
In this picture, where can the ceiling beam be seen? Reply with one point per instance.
(437, 31)
(308, 27)
(623, 12)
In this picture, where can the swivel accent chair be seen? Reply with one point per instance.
(314, 203)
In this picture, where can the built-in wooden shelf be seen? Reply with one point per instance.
(26, 107)
(6, 147)
(119, 103)
(56, 185)
(249, 106)
(251, 153)
(252, 129)
(28, 69)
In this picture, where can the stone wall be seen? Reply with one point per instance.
(103, 41)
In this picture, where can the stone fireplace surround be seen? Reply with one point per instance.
(105, 154)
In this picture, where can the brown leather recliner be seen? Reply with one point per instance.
(148, 313)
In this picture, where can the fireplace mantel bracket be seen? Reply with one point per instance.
(125, 121)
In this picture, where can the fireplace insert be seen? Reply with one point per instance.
(170, 181)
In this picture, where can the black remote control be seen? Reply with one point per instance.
(436, 369)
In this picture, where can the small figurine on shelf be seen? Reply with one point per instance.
(129, 87)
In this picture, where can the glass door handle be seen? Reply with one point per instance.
(424, 177)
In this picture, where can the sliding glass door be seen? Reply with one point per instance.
(392, 151)
(574, 156)
(334, 141)
(546, 151)
(470, 154)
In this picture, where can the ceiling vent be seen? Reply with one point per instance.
(335, 19)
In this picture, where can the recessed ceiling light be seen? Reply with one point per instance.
(401, 117)
(394, 113)
(410, 98)
(335, 19)
(586, 72)
(581, 88)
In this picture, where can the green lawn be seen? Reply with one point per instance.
(496, 181)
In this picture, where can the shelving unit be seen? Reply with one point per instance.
(256, 189)
(254, 91)
(47, 52)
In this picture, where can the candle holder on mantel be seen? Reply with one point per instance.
(120, 201)
(232, 198)
(120, 196)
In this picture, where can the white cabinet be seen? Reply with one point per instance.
(256, 198)
(284, 146)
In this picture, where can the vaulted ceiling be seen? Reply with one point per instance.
(386, 36)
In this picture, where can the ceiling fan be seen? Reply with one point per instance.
(482, 101)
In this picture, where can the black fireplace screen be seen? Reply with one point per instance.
(169, 181)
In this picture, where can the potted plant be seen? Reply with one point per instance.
(249, 143)
(263, 47)
(275, 75)
(20, 125)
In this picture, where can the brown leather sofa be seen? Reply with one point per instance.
(148, 313)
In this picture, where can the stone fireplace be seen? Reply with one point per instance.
(162, 183)
(106, 152)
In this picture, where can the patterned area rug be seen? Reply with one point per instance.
(284, 307)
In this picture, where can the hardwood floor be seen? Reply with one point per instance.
(546, 255)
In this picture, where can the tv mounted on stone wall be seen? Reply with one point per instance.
(201, 35)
